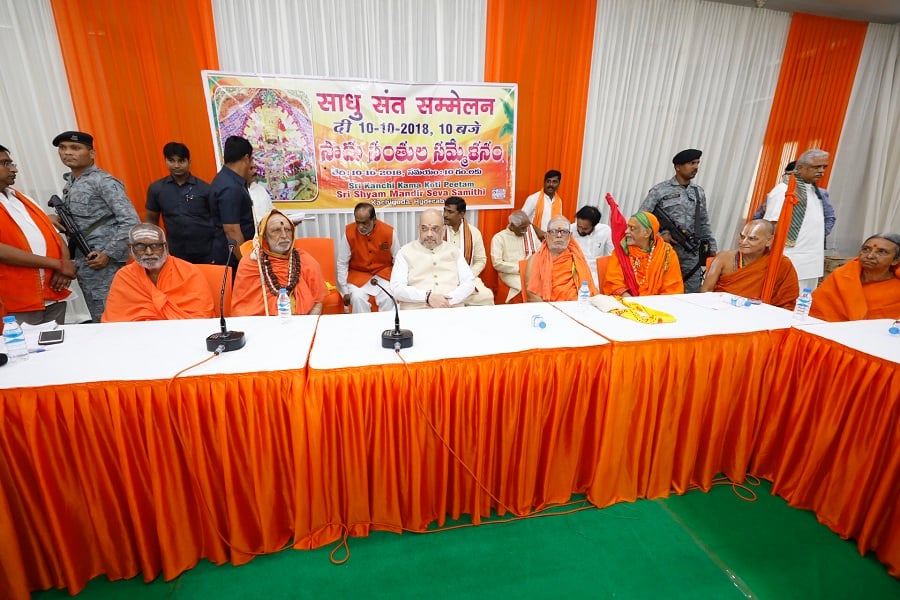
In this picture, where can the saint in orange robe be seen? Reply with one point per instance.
(558, 279)
(658, 272)
(247, 297)
(843, 297)
(181, 292)
(748, 282)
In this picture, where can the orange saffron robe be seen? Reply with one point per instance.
(558, 279)
(843, 297)
(657, 275)
(20, 287)
(181, 292)
(369, 254)
(247, 297)
(748, 282)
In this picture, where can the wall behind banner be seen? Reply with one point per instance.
(134, 73)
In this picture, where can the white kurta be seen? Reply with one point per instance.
(594, 245)
(530, 208)
(808, 255)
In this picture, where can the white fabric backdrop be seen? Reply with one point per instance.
(675, 74)
(865, 178)
(392, 40)
(35, 105)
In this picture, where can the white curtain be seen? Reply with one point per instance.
(390, 40)
(865, 179)
(35, 104)
(675, 74)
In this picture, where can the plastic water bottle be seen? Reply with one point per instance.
(284, 305)
(538, 322)
(738, 301)
(16, 349)
(584, 293)
(804, 302)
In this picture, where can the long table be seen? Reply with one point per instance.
(109, 467)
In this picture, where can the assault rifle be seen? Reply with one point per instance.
(76, 238)
(681, 236)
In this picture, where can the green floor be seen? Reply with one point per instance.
(694, 546)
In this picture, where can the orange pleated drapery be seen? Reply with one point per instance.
(547, 52)
(818, 68)
(134, 73)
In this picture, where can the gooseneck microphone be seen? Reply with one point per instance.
(395, 338)
(228, 340)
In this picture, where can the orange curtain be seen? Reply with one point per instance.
(134, 73)
(547, 52)
(817, 72)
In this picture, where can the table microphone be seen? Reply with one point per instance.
(228, 340)
(395, 338)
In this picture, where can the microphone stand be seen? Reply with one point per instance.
(224, 340)
(395, 338)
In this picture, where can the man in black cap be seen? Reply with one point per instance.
(103, 214)
(680, 206)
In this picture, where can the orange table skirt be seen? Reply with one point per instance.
(681, 411)
(122, 478)
(396, 448)
(831, 441)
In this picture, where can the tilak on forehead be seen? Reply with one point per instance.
(146, 233)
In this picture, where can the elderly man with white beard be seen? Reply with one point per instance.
(156, 286)
(429, 272)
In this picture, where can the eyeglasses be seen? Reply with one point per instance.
(141, 248)
(8, 164)
(558, 232)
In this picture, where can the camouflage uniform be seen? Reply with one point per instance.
(92, 197)
(686, 206)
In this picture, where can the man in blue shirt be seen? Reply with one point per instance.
(230, 204)
(183, 202)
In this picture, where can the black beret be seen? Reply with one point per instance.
(74, 136)
(686, 156)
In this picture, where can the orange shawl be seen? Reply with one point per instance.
(246, 299)
(661, 274)
(181, 292)
(20, 287)
(843, 297)
(571, 264)
(555, 209)
(748, 282)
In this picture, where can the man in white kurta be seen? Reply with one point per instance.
(469, 242)
(510, 246)
(807, 252)
(429, 273)
(593, 237)
(541, 206)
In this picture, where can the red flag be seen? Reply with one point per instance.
(618, 224)
(781, 231)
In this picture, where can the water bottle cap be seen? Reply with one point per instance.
(894, 330)
(9, 319)
(583, 283)
(282, 291)
(542, 325)
(807, 290)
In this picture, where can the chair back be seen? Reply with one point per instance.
(213, 275)
(602, 264)
(322, 249)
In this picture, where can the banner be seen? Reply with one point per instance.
(327, 144)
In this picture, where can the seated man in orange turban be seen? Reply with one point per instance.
(556, 271)
(651, 259)
(867, 287)
(277, 263)
(743, 271)
(156, 286)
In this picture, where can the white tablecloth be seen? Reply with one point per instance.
(871, 337)
(159, 349)
(355, 340)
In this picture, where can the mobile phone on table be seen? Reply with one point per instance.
(53, 336)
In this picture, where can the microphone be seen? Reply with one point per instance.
(224, 340)
(395, 338)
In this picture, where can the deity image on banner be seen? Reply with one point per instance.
(278, 124)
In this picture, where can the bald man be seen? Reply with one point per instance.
(156, 286)
(510, 246)
(743, 271)
(429, 272)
